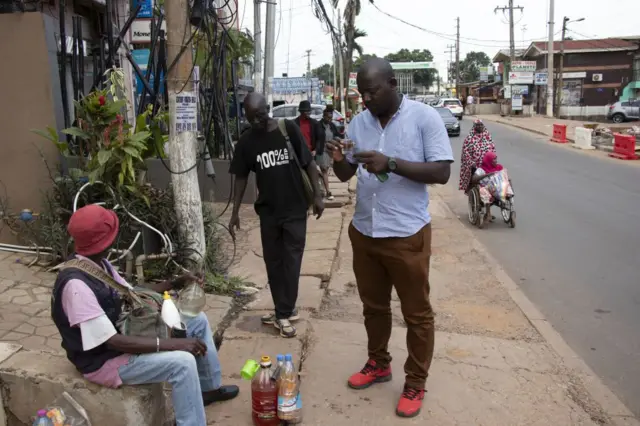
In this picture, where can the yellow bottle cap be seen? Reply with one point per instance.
(166, 296)
(265, 359)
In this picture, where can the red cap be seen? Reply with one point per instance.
(94, 229)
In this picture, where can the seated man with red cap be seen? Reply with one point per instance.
(85, 310)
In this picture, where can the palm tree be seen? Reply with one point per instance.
(351, 33)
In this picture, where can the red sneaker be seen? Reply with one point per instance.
(410, 402)
(369, 375)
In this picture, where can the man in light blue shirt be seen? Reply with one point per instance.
(399, 146)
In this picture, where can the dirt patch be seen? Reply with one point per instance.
(579, 395)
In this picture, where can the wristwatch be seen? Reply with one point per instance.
(392, 165)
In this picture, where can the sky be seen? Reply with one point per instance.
(298, 30)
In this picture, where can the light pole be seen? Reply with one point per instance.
(565, 21)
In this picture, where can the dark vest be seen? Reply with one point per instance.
(85, 361)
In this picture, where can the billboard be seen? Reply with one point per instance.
(293, 85)
(521, 77)
(524, 66)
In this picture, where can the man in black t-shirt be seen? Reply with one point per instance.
(281, 205)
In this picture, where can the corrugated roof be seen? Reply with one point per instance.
(588, 45)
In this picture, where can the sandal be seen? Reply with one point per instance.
(270, 318)
(286, 329)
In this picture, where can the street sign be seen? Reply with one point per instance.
(484, 73)
(292, 85)
(413, 65)
(146, 8)
(521, 77)
(516, 102)
(520, 90)
(541, 78)
(353, 80)
(524, 66)
(141, 30)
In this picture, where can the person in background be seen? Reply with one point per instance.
(470, 102)
(86, 310)
(309, 127)
(322, 155)
(477, 143)
(281, 204)
(391, 228)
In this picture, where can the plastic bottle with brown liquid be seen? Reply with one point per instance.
(264, 396)
(289, 399)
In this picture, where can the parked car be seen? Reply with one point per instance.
(454, 105)
(431, 100)
(450, 122)
(624, 111)
(290, 112)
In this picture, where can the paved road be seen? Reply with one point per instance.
(576, 248)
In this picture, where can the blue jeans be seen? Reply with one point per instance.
(188, 375)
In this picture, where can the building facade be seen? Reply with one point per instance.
(595, 73)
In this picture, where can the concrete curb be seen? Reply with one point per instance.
(527, 129)
(619, 414)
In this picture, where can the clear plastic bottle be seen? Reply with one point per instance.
(289, 399)
(264, 396)
(191, 300)
(277, 372)
(42, 419)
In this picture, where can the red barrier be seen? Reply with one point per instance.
(559, 133)
(624, 147)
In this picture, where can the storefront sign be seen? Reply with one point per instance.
(146, 8)
(516, 102)
(485, 72)
(353, 79)
(292, 85)
(524, 66)
(521, 77)
(570, 75)
(520, 90)
(541, 79)
(141, 30)
(413, 65)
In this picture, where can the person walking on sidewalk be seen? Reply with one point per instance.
(322, 155)
(391, 232)
(310, 128)
(281, 203)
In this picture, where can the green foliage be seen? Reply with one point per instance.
(470, 66)
(420, 77)
(112, 150)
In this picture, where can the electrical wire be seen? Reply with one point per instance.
(452, 37)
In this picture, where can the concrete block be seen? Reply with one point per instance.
(309, 296)
(6, 351)
(318, 263)
(583, 138)
(30, 380)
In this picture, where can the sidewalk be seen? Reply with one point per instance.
(544, 126)
(492, 364)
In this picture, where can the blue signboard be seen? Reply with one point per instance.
(141, 57)
(146, 8)
(293, 85)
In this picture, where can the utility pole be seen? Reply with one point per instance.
(309, 75)
(343, 109)
(335, 57)
(183, 143)
(257, 47)
(550, 68)
(269, 50)
(450, 50)
(561, 70)
(512, 41)
(457, 57)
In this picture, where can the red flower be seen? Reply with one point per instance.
(102, 100)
